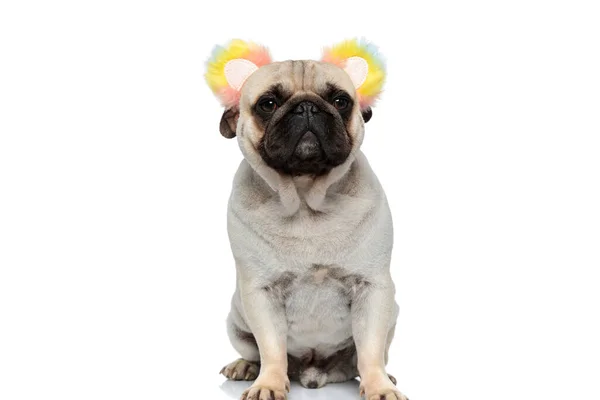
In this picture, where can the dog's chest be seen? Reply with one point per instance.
(309, 237)
(317, 305)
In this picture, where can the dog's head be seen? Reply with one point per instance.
(302, 117)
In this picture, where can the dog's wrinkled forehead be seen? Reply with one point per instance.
(294, 76)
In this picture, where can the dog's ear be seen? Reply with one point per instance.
(367, 113)
(227, 70)
(363, 63)
(229, 122)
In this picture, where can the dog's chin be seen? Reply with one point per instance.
(308, 148)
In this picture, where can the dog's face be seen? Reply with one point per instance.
(301, 117)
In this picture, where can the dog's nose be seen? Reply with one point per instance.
(306, 107)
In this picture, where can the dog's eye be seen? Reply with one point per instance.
(340, 103)
(267, 105)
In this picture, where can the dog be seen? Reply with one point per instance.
(309, 224)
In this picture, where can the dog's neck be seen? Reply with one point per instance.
(312, 189)
(304, 182)
(292, 190)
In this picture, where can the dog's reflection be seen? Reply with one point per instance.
(347, 390)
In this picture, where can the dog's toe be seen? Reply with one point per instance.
(241, 370)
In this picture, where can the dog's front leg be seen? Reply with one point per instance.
(374, 314)
(265, 316)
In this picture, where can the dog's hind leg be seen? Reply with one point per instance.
(342, 366)
(247, 367)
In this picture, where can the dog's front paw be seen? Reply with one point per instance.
(268, 386)
(380, 387)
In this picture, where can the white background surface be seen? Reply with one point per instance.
(115, 271)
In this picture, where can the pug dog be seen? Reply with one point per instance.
(308, 222)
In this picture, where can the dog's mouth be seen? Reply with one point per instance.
(308, 147)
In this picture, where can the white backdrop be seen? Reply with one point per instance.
(115, 270)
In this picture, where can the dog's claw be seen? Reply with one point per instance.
(394, 381)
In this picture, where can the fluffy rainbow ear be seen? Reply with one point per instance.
(361, 60)
(230, 66)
